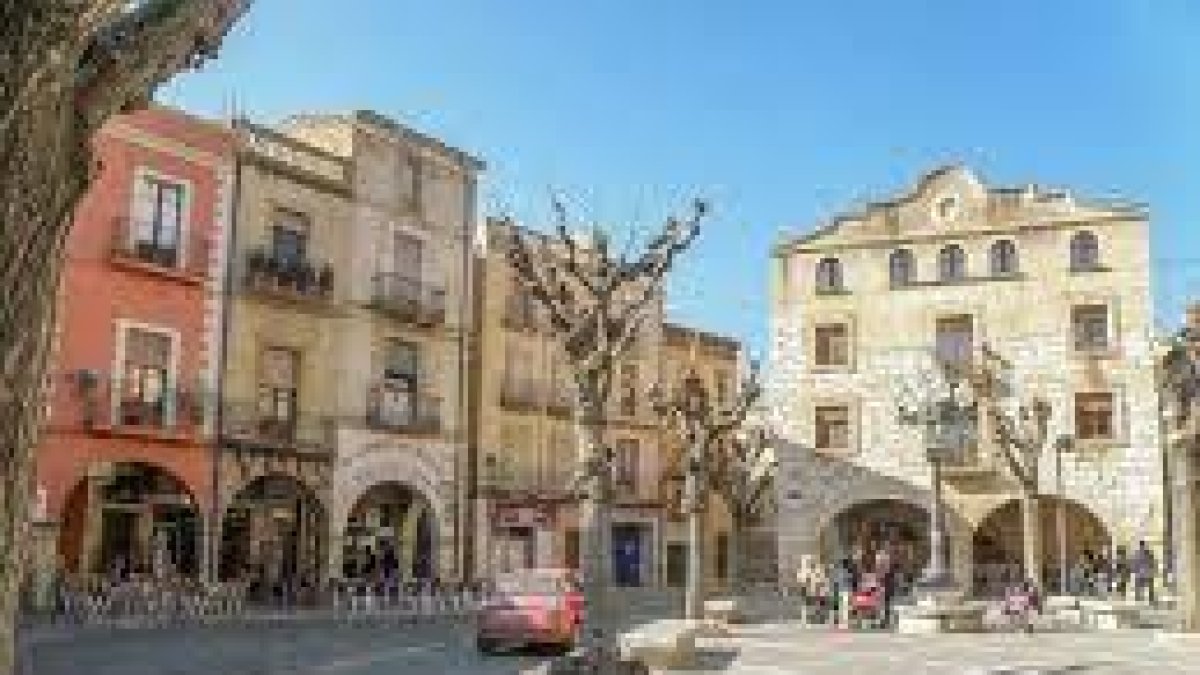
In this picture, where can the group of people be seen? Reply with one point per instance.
(826, 593)
(1102, 575)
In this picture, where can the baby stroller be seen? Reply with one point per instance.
(1020, 604)
(867, 603)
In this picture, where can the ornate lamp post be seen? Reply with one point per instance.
(949, 418)
(1179, 371)
(704, 427)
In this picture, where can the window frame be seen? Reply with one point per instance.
(952, 264)
(902, 259)
(829, 275)
(1004, 260)
(1081, 342)
(149, 178)
(124, 327)
(822, 435)
(822, 342)
(1084, 251)
(1078, 408)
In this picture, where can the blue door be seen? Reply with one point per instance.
(627, 555)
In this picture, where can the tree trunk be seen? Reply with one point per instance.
(598, 636)
(734, 554)
(693, 597)
(1031, 534)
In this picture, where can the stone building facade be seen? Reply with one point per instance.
(864, 308)
(523, 437)
(123, 469)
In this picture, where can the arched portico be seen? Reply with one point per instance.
(391, 530)
(131, 518)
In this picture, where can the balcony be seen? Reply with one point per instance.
(106, 405)
(409, 300)
(301, 281)
(520, 396)
(254, 426)
(187, 261)
(395, 410)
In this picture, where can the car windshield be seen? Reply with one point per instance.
(528, 584)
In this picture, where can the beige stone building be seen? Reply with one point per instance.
(863, 307)
(524, 444)
(345, 377)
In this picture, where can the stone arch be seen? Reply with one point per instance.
(417, 471)
(396, 524)
(274, 531)
(135, 517)
(997, 542)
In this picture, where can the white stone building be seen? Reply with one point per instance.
(1057, 285)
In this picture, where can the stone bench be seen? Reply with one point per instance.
(941, 617)
(667, 643)
(1110, 614)
(724, 610)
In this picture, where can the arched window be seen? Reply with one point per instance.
(829, 275)
(901, 267)
(1004, 258)
(1085, 251)
(952, 263)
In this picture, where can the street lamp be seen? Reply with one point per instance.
(949, 418)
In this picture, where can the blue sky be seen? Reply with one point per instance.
(780, 112)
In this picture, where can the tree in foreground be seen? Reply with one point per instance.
(597, 302)
(744, 476)
(66, 66)
(706, 428)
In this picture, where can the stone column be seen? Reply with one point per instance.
(1187, 557)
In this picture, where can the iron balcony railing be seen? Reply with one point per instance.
(263, 425)
(395, 409)
(137, 242)
(409, 299)
(102, 403)
(299, 279)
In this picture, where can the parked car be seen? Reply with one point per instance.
(532, 607)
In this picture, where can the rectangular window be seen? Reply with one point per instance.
(278, 391)
(407, 256)
(832, 345)
(626, 465)
(401, 368)
(1094, 416)
(833, 428)
(955, 340)
(159, 221)
(145, 375)
(289, 239)
(1089, 326)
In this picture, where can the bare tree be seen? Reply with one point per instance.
(744, 476)
(705, 427)
(1021, 430)
(597, 302)
(68, 65)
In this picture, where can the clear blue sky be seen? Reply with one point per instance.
(781, 112)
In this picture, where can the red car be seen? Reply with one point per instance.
(532, 607)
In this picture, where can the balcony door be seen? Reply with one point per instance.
(145, 377)
(398, 405)
(158, 212)
(289, 239)
(279, 392)
(955, 340)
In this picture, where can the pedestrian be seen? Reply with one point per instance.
(1143, 572)
(885, 573)
(1079, 576)
(1120, 572)
(1103, 576)
(843, 587)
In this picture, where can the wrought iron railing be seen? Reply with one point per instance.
(183, 253)
(101, 402)
(295, 279)
(409, 299)
(255, 424)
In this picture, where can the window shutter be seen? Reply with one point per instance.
(142, 209)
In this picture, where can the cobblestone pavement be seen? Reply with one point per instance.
(785, 648)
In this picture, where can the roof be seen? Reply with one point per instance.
(679, 332)
(389, 125)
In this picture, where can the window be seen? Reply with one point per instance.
(955, 340)
(406, 256)
(1089, 326)
(901, 267)
(289, 239)
(833, 428)
(723, 388)
(158, 221)
(952, 263)
(278, 392)
(832, 345)
(400, 374)
(829, 275)
(1085, 252)
(626, 464)
(629, 384)
(1094, 416)
(1004, 258)
(145, 374)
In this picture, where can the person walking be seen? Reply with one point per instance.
(1143, 573)
(843, 587)
(885, 572)
(1120, 571)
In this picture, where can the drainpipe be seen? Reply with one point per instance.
(467, 495)
(223, 359)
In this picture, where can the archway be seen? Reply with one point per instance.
(861, 529)
(273, 537)
(998, 544)
(390, 533)
(131, 518)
